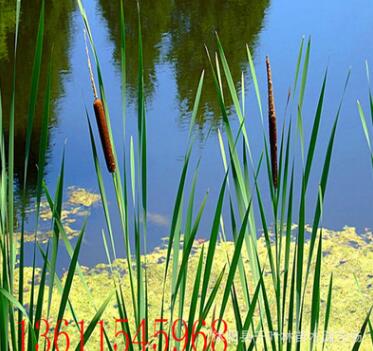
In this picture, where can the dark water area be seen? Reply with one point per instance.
(174, 35)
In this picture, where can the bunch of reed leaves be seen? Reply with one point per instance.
(363, 119)
(292, 268)
(14, 335)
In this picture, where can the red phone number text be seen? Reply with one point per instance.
(180, 333)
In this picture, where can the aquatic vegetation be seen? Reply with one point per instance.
(346, 254)
(272, 124)
(82, 197)
(77, 207)
(101, 119)
(302, 281)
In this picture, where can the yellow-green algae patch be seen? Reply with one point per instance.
(77, 205)
(82, 197)
(346, 254)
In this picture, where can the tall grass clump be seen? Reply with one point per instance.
(264, 309)
(273, 294)
(15, 334)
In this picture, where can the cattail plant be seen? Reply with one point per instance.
(98, 107)
(272, 122)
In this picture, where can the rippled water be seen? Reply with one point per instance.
(174, 34)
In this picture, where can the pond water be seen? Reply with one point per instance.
(174, 34)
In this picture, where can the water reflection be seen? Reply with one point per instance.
(57, 36)
(176, 31)
(173, 31)
(155, 18)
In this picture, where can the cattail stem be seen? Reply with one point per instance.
(104, 134)
(272, 122)
(91, 77)
(101, 118)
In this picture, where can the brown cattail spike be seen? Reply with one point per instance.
(272, 124)
(100, 117)
(104, 134)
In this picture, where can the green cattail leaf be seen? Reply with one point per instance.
(196, 104)
(176, 210)
(101, 184)
(360, 336)
(328, 310)
(304, 73)
(212, 244)
(324, 177)
(364, 125)
(35, 75)
(123, 65)
(43, 143)
(255, 81)
(234, 263)
(69, 280)
(133, 171)
(188, 247)
(56, 212)
(13, 301)
(232, 90)
(297, 67)
(250, 314)
(93, 323)
(195, 292)
(315, 304)
(314, 133)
